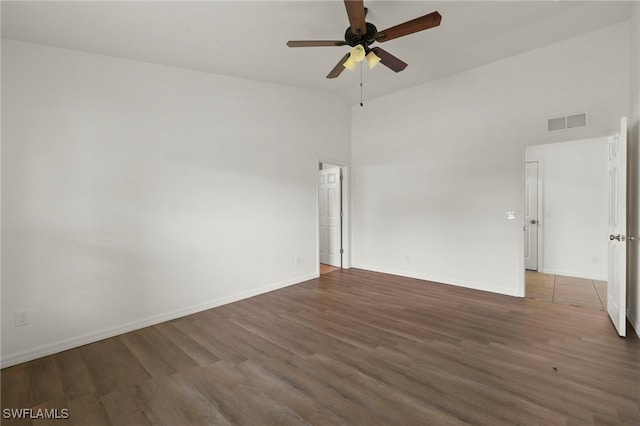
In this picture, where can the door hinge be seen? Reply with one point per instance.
(341, 251)
(341, 214)
(341, 177)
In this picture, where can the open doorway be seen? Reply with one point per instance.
(566, 223)
(332, 217)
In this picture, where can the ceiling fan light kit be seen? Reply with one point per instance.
(361, 34)
(357, 55)
(372, 59)
(350, 64)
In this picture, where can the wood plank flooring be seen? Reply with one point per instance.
(349, 348)
(591, 294)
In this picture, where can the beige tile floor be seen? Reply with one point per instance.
(325, 269)
(581, 292)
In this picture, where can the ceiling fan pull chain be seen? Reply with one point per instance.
(361, 104)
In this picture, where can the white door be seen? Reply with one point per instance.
(329, 216)
(531, 216)
(617, 274)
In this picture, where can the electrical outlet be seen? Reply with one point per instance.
(22, 318)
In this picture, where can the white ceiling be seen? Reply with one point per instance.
(248, 38)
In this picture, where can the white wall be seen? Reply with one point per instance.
(133, 192)
(436, 167)
(574, 226)
(634, 174)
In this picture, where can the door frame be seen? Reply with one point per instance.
(539, 213)
(541, 206)
(541, 220)
(346, 211)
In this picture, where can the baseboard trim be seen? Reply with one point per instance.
(634, 322)
(84, 339)
(438, 279)
(574, 274)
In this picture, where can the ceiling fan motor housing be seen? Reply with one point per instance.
(355, 39)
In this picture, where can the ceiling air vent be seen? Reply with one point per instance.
(567, 122)
(559, 123)
(576, 120)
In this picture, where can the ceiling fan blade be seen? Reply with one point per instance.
(356, 13)
(314, 43)
(339, 67)
(419, 24)
(389, 60)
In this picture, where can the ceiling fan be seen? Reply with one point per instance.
(360, 35)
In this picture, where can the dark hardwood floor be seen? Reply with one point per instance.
(351, 347)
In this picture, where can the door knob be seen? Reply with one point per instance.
(614, 237)
(533, 221)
